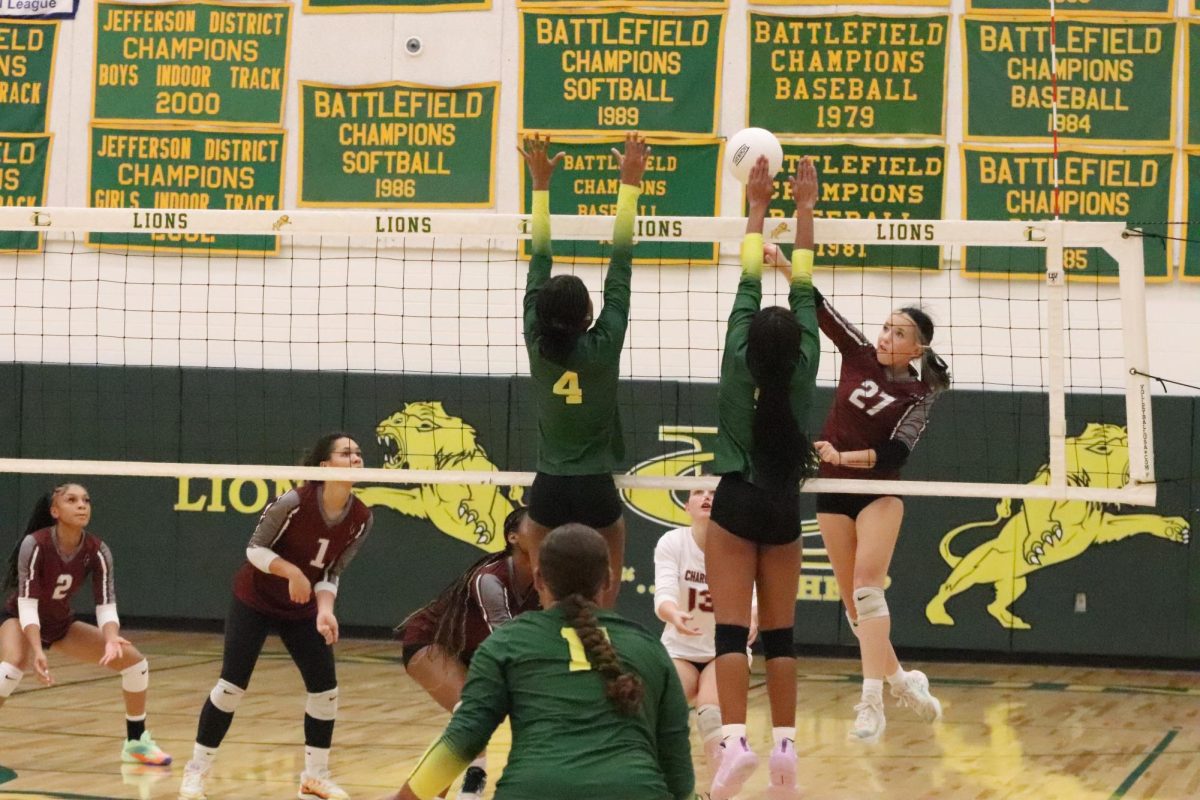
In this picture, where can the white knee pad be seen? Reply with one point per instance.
(10, 678)
(708, 722)
(870, 602)
(322, 705)
(226, 697)
(136, 678)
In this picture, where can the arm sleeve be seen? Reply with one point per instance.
(436, 770)
(674, 746)
(609, 330)
(274, 521)
(540, 262)
(840, 330)
(749, 292)
(906, 434)
(666, 572)
(29, 584)
(333, 573)
(488, 591)
(104, 588)
(485, 703)
(800, 298)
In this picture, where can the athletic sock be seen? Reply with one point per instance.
(780, 733)
(872, 689)
(135, 727)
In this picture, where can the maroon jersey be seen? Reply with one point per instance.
(492, 601)
(51, 577)
(871, 407)
(295, 528)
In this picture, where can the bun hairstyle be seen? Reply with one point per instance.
(562, 310)
(781, 453)
(935, 372)
(573, 561)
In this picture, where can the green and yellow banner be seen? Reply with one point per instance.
(683, 179)
(26, 74)
(397, 144)
(163, 168)
(24, 165)
(1191, 85)
(1041, 8)
(927, 3)
(1191, 188)
(848, 75)
(623, 3)
(1115, 80)
(1094, 185)
(604, 71)
(393, 6)
(204, 61)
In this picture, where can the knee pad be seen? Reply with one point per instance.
(731, 638)
(10, 678)
(853, 623)
(322, 705)
(777, 643)
(226, 697)
(136, 679)
(870, 602)
(708, 722)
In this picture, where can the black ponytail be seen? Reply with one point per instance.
(935, 372)
(562, 311)
(40, 518)
(781, 453)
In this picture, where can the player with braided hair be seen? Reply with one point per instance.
(593, 699)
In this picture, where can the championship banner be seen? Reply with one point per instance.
(165, 168)
(26, 74)
(1115, 8)
(1094, 186)
(623, 4)
(1191, 85)
(848, 75)
(1115, 81)
(604, 71)
(892, 182)
(683, 179)
(392, 6)
(24, 165)
(204, 61)
(1191, 189)
(926, 3)
(397, 144)
(39, 9)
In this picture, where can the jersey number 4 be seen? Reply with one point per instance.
(567, 387)
(869, 391)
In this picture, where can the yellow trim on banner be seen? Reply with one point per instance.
(52, 23)
(1188, 153)
(547, 5)
(49, 137)
(1188, 134)
(1043, 12)
(936, 3)
(397, 8)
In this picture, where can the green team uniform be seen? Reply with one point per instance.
(736, 396)
(568, 740)
(579, 428)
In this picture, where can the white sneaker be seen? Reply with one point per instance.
(320, 787)
(869, 724)
(914, 693)
(194, 777)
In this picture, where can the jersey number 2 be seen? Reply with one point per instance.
(62, 586)
(870, 391)
(568, 388)
(319, 561)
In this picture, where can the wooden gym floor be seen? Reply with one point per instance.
(1050, 733)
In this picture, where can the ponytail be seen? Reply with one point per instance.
(623, 688)
(935, 372)
(40, 518)
(781, 453)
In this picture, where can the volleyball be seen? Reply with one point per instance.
(745, 147)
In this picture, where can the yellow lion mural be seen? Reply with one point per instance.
(1041, 533)
(426, 437)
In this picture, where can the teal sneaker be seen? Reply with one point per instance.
(144, 751)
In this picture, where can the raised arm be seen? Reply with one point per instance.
(800, 296)
(760, 189)
(614, 316)
(541, 169)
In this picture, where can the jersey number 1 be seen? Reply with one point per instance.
(567, 387)
(319, 561)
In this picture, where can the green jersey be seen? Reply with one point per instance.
(736, 396)
(579, 428)
(568, 740)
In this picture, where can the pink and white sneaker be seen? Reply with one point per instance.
(737, 765)
(782, 767)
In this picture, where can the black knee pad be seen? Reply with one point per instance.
(731, 638)
(777, 643)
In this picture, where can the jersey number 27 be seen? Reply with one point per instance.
(869, 392)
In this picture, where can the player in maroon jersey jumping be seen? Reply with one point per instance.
(879, 412)
(47, 568)
(440, 637)
(303, 542)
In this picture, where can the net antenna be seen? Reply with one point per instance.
(405, 268)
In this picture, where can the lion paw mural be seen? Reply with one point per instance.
(424, 436)
(1041, 533)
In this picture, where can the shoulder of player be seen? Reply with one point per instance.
(673, 537)
(614, 621)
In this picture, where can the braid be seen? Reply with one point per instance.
(449, 609)
(623, 688)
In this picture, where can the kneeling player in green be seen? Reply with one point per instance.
(595, 705)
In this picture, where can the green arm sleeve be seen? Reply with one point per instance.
(541, 260)
(485, 704)
(800, 298)
(674, 746)
(749, 292)
(436, 770)
(609, 331)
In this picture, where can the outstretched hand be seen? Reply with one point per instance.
(541, 165)
(760, 186)
(804, 186)
(633, 160)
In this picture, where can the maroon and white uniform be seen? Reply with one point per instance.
(47, 579)
(294, 528)
(871, 408)
(493, 601)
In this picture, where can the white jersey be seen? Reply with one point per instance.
(679, 578)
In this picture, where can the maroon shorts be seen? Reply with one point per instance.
(52, 630)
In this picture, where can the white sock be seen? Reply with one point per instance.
(897, 678)
(872, 689)
(733, 731)
(480, 762)
(316, 760)
(203, 755)
(781, 733)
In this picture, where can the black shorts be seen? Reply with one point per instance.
(587, 499)
(755, 514)
(848, 505)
